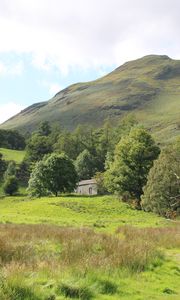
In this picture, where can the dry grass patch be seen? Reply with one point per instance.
(79, 262)
(36, 245)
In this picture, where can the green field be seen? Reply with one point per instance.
(104, 213)
(15, 155)
(73, 247)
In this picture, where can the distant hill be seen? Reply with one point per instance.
(148, 87)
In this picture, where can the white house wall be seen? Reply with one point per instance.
(89, 189)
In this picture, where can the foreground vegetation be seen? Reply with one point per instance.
(43, 262)
(101, 249)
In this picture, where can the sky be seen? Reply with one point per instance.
(46, 45)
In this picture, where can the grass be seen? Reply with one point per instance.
(75, 247)
(103, 213)
(44, 262)
(15, 155)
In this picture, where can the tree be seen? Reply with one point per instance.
(10, 186)
(36, 184)
(85, 165)
(134, 156)
(2, 166)
(45, 128)
(11, 170)
(23, 173)
(12, 139)
(66, 143)
(55, 174)
(37, 147)
(162, 192)
(99, 177)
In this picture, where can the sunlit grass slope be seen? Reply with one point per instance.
(15, 155)
(104, 213)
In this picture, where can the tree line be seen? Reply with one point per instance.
(124, 159)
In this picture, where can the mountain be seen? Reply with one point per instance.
(148, 87)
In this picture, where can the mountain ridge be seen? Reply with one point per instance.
(148, 87)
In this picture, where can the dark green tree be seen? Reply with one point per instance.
(11, 170)
(134, 156)
(3, 165)
(12, 139)
(37, 147)
(66, 143)
(45, 128)
(162, 192)
(85, 165)
(10, 185)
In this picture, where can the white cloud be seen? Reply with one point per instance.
(8, 110)
(54, 88)
(11, 69)
(89, 33)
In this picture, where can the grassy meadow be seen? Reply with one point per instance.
(73, 247)
(16, 155)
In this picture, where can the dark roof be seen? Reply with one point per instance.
(87, 182)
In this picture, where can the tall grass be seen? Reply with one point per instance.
(33, 248)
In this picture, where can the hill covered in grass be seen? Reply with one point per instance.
(9, 154)
(103, 213)
(148, 87)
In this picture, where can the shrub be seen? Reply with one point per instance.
(10, 186)
(107, 287)
(75, 290)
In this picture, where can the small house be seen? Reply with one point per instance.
(87, 187)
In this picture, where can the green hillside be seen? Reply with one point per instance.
(16, 155)
(148, 87)
(104, 213)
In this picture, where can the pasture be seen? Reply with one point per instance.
(74, 247)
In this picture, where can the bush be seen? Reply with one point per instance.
(75, 290)
(10, 186)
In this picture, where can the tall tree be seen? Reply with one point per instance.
(134, 156)
(85, 165)
(37, 147)
(162, 192)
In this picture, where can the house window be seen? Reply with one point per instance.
(90, 191)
